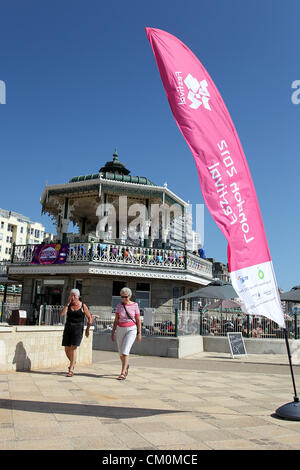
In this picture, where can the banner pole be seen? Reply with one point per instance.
(296, 398)
(290, 411)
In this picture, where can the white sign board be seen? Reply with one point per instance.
(22, 314)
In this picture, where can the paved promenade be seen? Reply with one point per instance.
(207, 401)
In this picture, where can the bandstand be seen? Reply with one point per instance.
(125, 231)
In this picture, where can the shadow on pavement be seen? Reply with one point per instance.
(81, 409)
(77, 374)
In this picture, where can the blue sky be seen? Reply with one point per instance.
(81, 79)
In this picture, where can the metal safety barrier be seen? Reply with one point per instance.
(176, 323)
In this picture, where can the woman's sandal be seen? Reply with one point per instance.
(121, 377)
(71, 372)
(126, 373)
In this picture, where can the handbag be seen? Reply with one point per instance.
(128, 314)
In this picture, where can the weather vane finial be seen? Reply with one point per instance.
(115, 154)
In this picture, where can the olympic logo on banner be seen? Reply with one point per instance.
(197, 91)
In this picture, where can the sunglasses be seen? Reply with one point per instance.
(124, 296)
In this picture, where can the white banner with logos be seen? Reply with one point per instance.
(257, 288)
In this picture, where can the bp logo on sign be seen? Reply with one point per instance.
(261, 274)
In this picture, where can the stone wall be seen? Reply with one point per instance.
(253, 345)
(97, 290)
(38, 347)
(162, 295)
(184, 346)
(27, 290)
(96, 293)
(155, 346)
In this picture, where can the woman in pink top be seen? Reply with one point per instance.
(127, 326)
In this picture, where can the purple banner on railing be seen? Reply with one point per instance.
(50, 253)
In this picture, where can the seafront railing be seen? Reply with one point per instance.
(188, 323)
(250, 327)
(167, 323)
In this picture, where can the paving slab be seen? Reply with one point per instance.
(208, 401)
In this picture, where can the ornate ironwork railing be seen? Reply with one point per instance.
(197, 264)
(22, 254)
(108, 253)
(126, 254)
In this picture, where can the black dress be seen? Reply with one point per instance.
(73, 330)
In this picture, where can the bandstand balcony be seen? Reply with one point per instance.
(123, 255)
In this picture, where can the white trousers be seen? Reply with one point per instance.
(125, 336)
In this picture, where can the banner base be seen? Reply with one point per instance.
(290, 411)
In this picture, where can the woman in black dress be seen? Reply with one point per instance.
(73, 331)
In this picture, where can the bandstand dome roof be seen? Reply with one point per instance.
(115, 166)
(114, 170)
